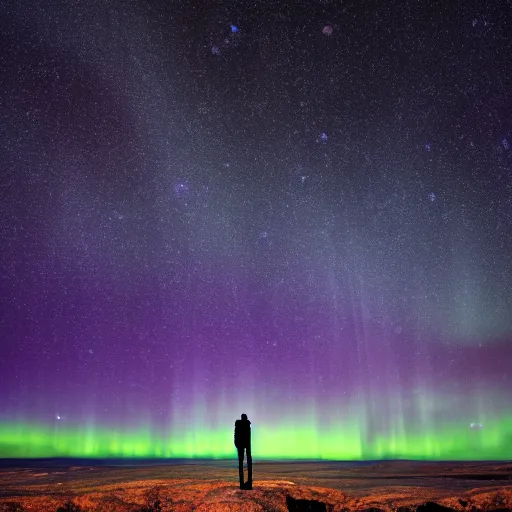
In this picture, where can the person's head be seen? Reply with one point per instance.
(244, 416)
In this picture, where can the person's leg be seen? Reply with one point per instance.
(241, 466)
(249, 467)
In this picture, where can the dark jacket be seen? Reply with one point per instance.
(242, 433)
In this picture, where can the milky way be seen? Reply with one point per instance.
(301, 212)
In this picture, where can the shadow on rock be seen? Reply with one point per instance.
(304, 505)
(430, 506)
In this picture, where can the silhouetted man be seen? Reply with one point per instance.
(243, 442)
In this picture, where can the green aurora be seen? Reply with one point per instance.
(27, 440)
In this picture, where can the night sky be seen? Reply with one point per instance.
(301, 211)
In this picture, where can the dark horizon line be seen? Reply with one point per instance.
(127, 461)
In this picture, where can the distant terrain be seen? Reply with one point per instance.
(106, 486)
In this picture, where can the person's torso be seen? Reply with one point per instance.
(242, 432)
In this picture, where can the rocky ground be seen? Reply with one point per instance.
(286, 486)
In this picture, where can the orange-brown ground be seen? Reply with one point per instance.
(213, 486)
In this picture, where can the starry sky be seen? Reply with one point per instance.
(297, 210)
